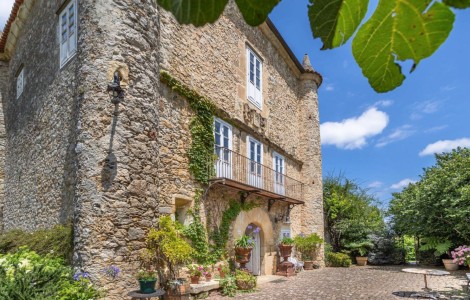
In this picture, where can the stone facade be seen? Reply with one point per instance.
(114, 169)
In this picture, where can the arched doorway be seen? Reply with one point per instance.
(254, 265)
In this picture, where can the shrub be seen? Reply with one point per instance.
(336, 259)
(308, 245)
(28, 275)
(245, 281)
(56, 241)
(228, 285)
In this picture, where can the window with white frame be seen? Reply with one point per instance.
(68, 32)
(20, 83)
(223, 147)
(254, 75)
(279, 173)
(255, 155)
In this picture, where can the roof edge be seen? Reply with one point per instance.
(11, 19)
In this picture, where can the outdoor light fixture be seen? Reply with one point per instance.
(116, 93)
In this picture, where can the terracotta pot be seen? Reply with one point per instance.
(308, 265)
(361, 260)
(450, 265)
(242, 256)
(285, 250)
(208, 277)
(195, 279)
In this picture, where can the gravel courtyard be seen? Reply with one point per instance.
(370, 282)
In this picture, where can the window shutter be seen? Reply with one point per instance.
(63, 31)
(250, 73)
(72, 28)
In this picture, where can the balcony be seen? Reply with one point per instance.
(239, 172)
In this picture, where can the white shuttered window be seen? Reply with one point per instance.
(68, 32)
(20, 83)
(254, 78)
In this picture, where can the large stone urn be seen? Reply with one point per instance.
(286, 268)
(242, 256)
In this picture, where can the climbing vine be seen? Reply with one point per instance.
(200, 165)
(220, 236)
(201, 127)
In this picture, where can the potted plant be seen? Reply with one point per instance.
(195, 272)
(308, 245)
(440, 247)
(208, 273)
(285, 246)
(244, 280)
(360, 249)
(243, 247)
(223, 269)
(461, 255)
(147, 280)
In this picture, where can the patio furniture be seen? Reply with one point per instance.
(137, 295)
(298, 265)
(428, 292)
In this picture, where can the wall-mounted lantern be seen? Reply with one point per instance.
(116, 93)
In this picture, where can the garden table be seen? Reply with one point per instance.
(138, 295)
(426, 272)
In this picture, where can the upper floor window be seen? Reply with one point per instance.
(20, 83)
(254, 78)
(68, 32)
(223, 147)
(279, 173)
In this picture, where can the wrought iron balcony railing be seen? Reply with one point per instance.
(237, 168)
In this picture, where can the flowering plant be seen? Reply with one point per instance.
(247, 240)
(111, 271)
(195, 270)
(461, 255)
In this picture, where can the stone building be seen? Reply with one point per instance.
(69, 153)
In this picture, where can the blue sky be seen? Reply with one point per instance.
(383, 141)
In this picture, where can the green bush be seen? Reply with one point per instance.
(56, 241)
(27, 275)
(336, 259)
(228, 285)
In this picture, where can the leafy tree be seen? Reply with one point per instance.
(350, 213)
(437, 206)
(398, 30)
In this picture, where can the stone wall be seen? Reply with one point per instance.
(40, 126)
(117, 148)
(212, 60)
(3, 92)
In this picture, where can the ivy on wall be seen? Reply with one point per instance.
(201, 127)
(201, 167)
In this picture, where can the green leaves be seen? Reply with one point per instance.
(196, 12)
(201, 12)
(458, 3)
(399, 30)
(335, 21)
(256, 12)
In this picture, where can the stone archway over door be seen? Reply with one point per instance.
(259, 217)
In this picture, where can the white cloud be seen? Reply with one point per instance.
(425, 107)
(402, 184)
(383, 103)
(329, 87)
(448, 88)
(375, 184)
(445, 146)
(5, 9)
(436, 128)
(352, 133)
(398, 134)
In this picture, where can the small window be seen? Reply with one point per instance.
(254, 78)
(68, 32)
(20, 83)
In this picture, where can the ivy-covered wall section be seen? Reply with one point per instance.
(202, 133)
